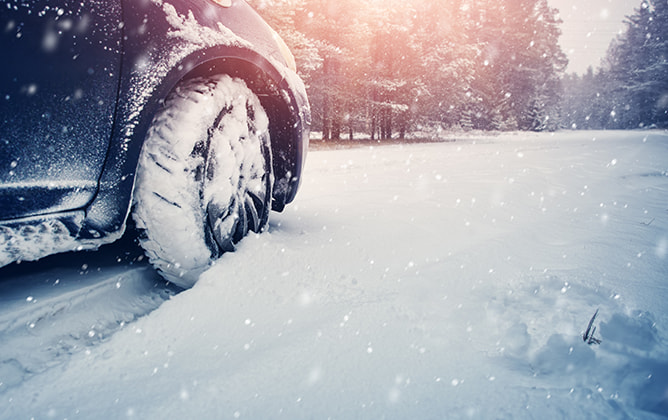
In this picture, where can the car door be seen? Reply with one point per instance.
(58, 87)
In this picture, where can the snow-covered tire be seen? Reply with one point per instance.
(204, 177)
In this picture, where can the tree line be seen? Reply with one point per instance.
(392, 68)
(630, 88)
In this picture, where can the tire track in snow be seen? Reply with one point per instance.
(60, 306)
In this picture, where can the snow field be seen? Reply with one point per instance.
(449, 280)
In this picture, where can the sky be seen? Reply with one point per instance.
(588, 28)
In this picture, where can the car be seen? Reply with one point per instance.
(187, 115)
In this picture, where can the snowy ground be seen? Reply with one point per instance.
(424, 281)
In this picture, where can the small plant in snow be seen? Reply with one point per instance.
(588, 336)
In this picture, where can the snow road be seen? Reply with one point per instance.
(64, 304)
(445, 280)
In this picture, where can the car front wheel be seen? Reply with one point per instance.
(204, 178)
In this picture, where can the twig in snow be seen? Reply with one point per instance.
(588, 336)
(647, 223)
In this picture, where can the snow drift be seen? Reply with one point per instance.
(447, 280)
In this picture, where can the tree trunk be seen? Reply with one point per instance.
(336, 129)
(325, 118)
(386, 124)
(373, 125)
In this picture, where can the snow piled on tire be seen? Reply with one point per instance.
(170, 207)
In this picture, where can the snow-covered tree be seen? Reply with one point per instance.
(519, 64)
(287, 18)
(630, 90)
(385, 66)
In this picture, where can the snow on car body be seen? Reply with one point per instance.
(87, 81)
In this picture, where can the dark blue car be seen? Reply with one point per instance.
(186, 114)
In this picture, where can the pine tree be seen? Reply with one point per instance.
(633, 80)
(288, 18)
(441, 65)
(657, 71)
(519, 64)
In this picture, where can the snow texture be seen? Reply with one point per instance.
(92, 302)
(446, 280)
(34, 241)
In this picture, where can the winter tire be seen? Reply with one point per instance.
(204, 178)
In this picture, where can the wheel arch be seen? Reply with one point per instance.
(289, 117)
(285, 104)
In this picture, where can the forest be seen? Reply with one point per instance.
(390, 68)
(630, 88)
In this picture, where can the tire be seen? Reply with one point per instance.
(204, 177)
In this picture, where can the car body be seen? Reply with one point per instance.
(78, 90)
